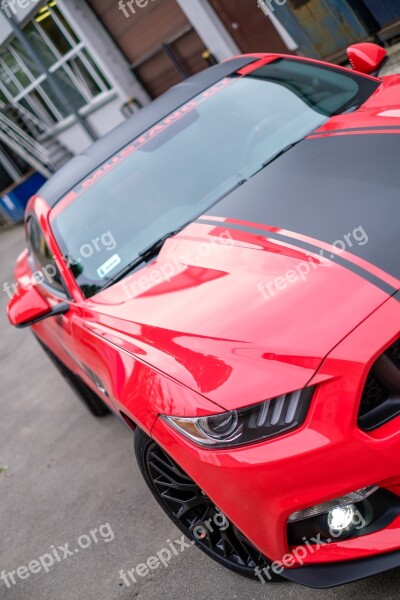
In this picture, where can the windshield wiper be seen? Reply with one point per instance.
(280, 153)
(154, 248)
(144, 256)
(275, 156)
(231, 189)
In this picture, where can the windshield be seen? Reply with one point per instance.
(185, 163)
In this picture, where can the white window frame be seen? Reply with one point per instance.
(78, 50)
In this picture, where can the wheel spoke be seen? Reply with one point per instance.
(185, 505)
(230, 539)
(183, 499)
(170, 482)
(167, 464)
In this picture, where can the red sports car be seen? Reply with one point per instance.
(223, 272)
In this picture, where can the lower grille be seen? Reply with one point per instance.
(380, 401)
(373, 396)
(394, 353)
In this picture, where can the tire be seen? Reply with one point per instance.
(189, 508)
(90, 399)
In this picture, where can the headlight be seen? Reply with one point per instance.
(247, 425)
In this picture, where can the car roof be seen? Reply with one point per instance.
(86, 162)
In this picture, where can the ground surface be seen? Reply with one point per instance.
(69, 473)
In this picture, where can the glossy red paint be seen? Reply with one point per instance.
(381, 113)
(327, 457)
(173, 348)
(27, 304)
(206, 348)
(366, 57)
(266, 58)
(363, 132)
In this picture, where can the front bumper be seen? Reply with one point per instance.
(334, 574)
(259, 486)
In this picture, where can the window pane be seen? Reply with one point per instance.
(45, 53)
(95, 67)
(51, 29)
(3, 98)
(82, 74)
(26, 59)
(87, 82)
(28, 104)
(15, 68)
(25, 104)
(72, 95)
(40, 252)
(36, 103)
(7, 81)
(64, 21)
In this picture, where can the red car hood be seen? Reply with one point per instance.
(235, 316)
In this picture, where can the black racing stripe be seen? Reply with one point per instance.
(370, 277)
(332, 189)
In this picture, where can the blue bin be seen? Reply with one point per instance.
(15, 200)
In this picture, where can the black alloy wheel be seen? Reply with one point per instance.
(193, 511)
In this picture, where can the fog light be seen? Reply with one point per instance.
(342, 519)
(332, 505)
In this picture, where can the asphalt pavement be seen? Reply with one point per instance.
(67, 480)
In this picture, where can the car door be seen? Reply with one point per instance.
(64, 335)
(53, 332)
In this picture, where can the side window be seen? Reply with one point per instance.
(41, 255)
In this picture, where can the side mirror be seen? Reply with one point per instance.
(367, 58)
(28, 307)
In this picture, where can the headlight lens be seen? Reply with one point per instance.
(247, 425)
(221, 427)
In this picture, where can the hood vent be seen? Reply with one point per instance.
(380, 401)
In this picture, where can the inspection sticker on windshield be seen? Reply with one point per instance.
(109, 265)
